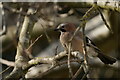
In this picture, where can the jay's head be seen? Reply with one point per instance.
(66, 27)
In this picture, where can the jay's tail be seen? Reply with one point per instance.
(106, 59)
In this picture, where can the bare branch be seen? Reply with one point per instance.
(19, 24)
(6, 62)
(21, 57)
(52, 61)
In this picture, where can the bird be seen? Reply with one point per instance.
(67, 30)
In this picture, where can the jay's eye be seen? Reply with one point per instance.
(62, 26)
(63, 30)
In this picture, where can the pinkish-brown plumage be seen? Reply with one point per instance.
(67, 30)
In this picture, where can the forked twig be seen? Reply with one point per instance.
(82, 24)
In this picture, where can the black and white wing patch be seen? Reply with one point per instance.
(105, 59)
(91, 44)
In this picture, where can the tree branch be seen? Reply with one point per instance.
(6, 62)
(22, 57)
(4, 30)
(107, 5)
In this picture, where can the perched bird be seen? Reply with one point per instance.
(67, 30)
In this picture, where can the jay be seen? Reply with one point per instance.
(67, 30)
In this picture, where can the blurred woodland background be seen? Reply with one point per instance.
(42, 22)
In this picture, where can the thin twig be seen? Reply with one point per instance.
(78, 71)
(56, 50)
(86, 67)
(46, 34)
(78, 28)
(34, 42)
(84, 44)
(84, 18)
(28, 49)
(104, 20)
(5, 70)
(69, 65)
(85, 75)
(88, 13)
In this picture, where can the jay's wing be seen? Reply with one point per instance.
(91, 44)
(104, 58)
